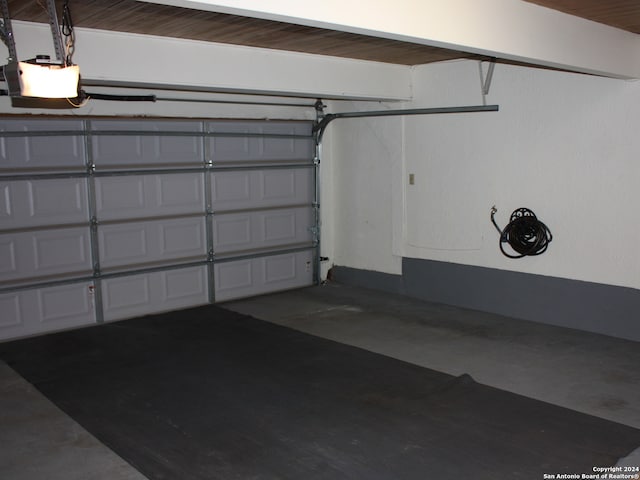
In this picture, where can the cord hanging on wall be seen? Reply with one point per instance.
(525, 234)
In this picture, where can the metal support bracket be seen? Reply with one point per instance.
(58, 45)
(315, 234)
(319, 106)
(320, 116)
(486, 79)
(6, 32)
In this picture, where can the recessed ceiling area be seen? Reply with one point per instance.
(212, 26)
(169, 21)
(623, 14)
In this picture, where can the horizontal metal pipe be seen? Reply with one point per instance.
(320, 127)
(237, 102)
(418, 111)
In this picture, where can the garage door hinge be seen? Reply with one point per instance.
(210, 255)
(315, 231)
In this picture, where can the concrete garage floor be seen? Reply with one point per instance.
(586, 372)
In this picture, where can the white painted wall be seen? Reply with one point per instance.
(366, 154)
(564, 145)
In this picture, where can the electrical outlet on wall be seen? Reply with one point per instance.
(412, 179)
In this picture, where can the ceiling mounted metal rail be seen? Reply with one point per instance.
(319, 128)
(6, 32)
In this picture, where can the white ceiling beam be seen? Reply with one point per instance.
(508, 29)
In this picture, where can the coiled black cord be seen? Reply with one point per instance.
(525, 234)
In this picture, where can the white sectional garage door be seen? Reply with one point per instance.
(102, 220)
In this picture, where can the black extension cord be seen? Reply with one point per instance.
(525, 234)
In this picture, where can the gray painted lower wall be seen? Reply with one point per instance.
(593, 307)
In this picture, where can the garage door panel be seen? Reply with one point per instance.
(60, 303)
(233, 276)
(185, 149)
(31, 203)
(180, 193)
(259, 127)
(183, 285)
(28, 312)
(226, 150)
(111, 150)
(236, 232)
(248, 277)
(35, 254)
(261, 188)
(279, 186)
(255, 149)
(183, 238)
(231, 149)
(138, 196)
(37, 152)
(8, 257)
(127, 294)
(232, 232)
(115, 151)
(282, 227)
(122, 244)
(285, 149)
(285, 128)
(280, 268)
(58, 200)
(154, 241)
(146, 293)
(120, 197)
(232, 190)
(150, 125)
(11, 312)
(64, 249)
(7, 203)
(141, 226)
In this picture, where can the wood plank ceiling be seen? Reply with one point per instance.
(153, 19)
(623, 14)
